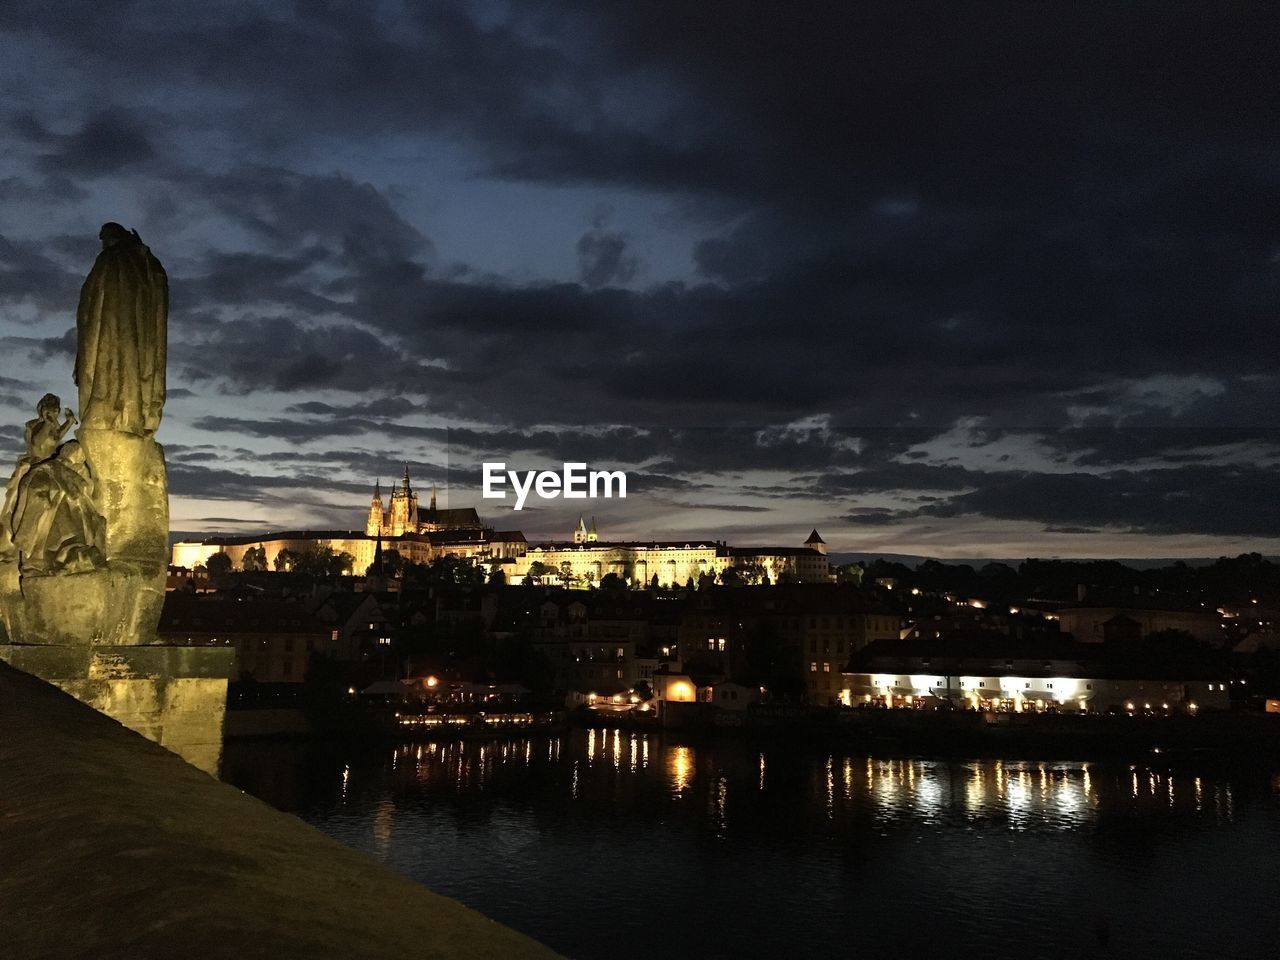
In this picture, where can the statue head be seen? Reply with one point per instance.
(111, 234)
(73, 455)
(49, 406)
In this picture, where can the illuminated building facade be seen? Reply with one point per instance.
(996, 673)
(587, 559)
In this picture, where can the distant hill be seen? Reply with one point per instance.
(913, 561)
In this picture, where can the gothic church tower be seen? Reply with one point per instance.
(373, 526)
(404, 509)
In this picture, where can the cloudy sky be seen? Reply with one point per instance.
(949, 279)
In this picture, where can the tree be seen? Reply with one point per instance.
(316, 561)
(612, 583)
(255, 560)
(537, 570)
(654, 584)
(851, 573)
(497, 577)
(218, 565)
(454, 571)
(747, 573)
(286, 559)
(567, 576)
(750, 572)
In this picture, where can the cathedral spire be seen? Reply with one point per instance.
(406, 479)
(433, 498)
(377, 490)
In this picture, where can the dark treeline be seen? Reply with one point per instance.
(1228, 579)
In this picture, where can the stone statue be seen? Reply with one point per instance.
(42, 436)
(56, 526)
(84, 551)
(121, 330)
(84, 544)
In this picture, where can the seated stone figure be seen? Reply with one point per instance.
(42, 436)
(56, 527)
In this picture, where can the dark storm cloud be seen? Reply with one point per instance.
(1224, 501)
(278, 353)
(48, 189)
(887, 475)
(288, 209)
(730, 507)
(603, 257)
(872, 517)
(27, 273)
(1051, 221)
(301, 430)
(247, 279)
(383, 407)
(107, 142)
(193, 480)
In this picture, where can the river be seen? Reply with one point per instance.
(611, 844)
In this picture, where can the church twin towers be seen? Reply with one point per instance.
(402, 516)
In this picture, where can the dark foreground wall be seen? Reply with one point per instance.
(111, 846)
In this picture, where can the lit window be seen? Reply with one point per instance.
(826, 668)
(720, 643)
(813, 667)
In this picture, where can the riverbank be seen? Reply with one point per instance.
(1235, 735)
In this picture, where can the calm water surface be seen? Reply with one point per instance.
(618, 845)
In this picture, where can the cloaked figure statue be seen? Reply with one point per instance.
(121, 329)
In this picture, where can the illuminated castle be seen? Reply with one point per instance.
(401, 515)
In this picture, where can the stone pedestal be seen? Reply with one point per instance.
(173, 695)
(131, 492)
(120, 603)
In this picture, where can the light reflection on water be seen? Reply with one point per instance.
(576, 838)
